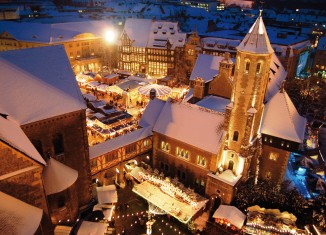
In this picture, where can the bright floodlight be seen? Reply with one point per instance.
(110, 36)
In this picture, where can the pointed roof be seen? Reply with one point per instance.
(282, 120)
(256, 40)
(58, 177)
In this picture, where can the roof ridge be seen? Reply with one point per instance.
(286, 97)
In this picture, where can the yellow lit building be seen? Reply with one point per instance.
(84, 42)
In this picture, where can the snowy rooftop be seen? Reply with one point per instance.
(58, 177)
(151, 113)
(118, 142)
(30, 93)
(206, 67)
(256, 40)
(181, 121)
(232, 214)
(107, 194)
(282, 120)
(18, 217)
(277, 75)
(54, 33)
(215, 103)
(13, 135)
(138, 31)
(227, 177)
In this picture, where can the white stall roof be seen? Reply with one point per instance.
(107, 194)
(232, 214)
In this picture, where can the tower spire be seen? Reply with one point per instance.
(256, 40)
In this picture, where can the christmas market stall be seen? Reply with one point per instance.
(270, 221)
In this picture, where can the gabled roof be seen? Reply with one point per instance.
(38, 83)
(206, 67)
(151, 113)
(256, 40)
(13, 135)
(191, 124)
(138, 31)
(281, 119)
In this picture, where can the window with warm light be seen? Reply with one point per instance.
(247, 66)
(180, 152)
(165, 146)
(201, 161)
(273, 156)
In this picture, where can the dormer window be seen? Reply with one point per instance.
(159, 26)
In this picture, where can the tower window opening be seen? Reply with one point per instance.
(247, 66)
(235, 136)
(258, 68)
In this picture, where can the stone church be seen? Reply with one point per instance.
(238, 121)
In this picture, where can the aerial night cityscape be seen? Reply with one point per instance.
(145, 117)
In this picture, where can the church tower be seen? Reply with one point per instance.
(244, 113)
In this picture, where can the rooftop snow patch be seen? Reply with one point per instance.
(38, 83)
(206, 67)
(151, 113)
(191, 124)
(214, 103)
(281, 119)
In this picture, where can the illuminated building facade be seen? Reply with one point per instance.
(148, 46)
(319, 67)
(84, 42)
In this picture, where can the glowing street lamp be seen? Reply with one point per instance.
(110, 36)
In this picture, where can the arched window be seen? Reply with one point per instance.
(231, 164)
(58, 144)
(247, 66)
(235, 136)
(258, 68)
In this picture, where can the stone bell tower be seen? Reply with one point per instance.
(244, 113)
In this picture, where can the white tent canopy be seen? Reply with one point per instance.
(89, 228)
(160, 90)
(18, 217)
(107, 194)
(58, 177)
(232, 214)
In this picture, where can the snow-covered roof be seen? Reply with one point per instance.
(206, 67)
(13, 135)
(138, 31)
(256, 40)
(38, 83)
(281, 119)
(213, 102)
(191, 124)
(277, 75)
(107, 194)
(58, 177)
(227, 177)
(55, 33)
(18, 217)
(151, 113)
(232, 214)
(162, 32)
(87, 228)
(118, 142)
